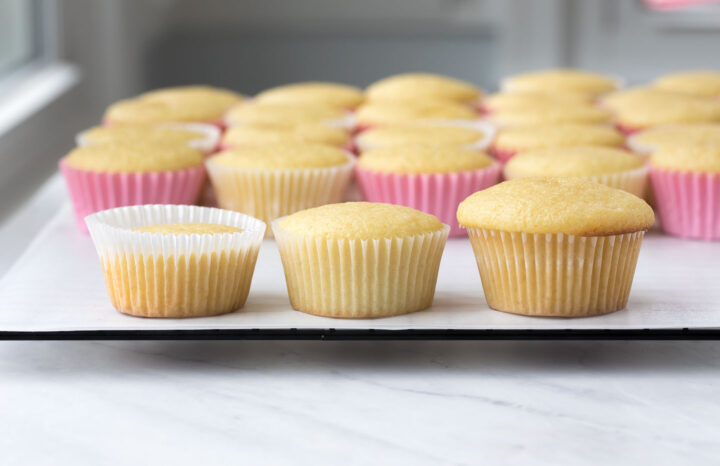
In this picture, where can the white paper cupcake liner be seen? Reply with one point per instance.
(270, 194)
(348, 278)
(183, 275)
(555, 274)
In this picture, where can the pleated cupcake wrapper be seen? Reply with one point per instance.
(438, 194)
(92, 191)
(270, 194)
(352, 278)
(637, 147)
(627, 130)
(688, 203)
(633, 181)
(486, 129)
(185, 275)
(555, 274)
(502, 155)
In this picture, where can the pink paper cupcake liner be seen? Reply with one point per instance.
(502, 155)
(688, 203)
(627, 130)
(95, 191)
(438, 194)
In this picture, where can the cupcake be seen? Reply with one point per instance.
(433, 179)
(288, 115)
(176, 261)
(199, 136)
(473, 136)
(511, 101)
(417, 87)
(632, 96)
(612, 167)
(103, 176)
(313, 133)
(510, 141)
(360, 260)
(273, 180)
(645, 142)
(561, 80)
(382, 113)
(188, 104)
(309, 93)
(544, 114)
(686, 182)
(561, 247)
(654, 109)
(705, 83)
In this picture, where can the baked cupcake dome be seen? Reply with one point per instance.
(612, 167)
(476, 137)
(144, 249)
(510, 141)
(509, 101)
(563, 247)
(654, 109)
(394, 112)
(574, 80)
(187, 104)
(701, 82)
(551, 114)
(644, 142)
(360, 260)
(314, 92)
(287, 115)
(422, 86)
(199, 136)
(686, 183)
(313, 133)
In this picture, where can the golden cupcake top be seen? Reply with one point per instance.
(175, 104)
(551, 114)
(576, 80)
(633, 96)
(130, 157)
(660, 109)
(420, 158)
(283, 114)
(400, 135)
(413, 86)
(701, 82)
(360, 220)
(571, 161)
(688, 157)
(141, 134)
(270, 134)
(566, 134)
(693, 133)
(572, 206)
(504, 101)
(193, 228)
(325, 93)
(280, 156)
(394, 112)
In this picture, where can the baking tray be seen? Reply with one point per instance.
(56, 291)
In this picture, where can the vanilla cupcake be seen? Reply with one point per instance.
(288, 115)
(313, 133)
(360, 260)
(176, 261)
(561, 80)
(415, 87)
(199, 136)
(433, 179)
(648, 109)
(421, 111)
(309, 93)
(511, 101)
(705, 83)
(686, 182)
(188, 104)
(561, 247)
(612, 167)
(104, 176)
(551, 114)
(475, 136)
(274, 180)
(510, 141)
(646, 141)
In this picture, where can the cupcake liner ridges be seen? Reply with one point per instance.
(688, 203)
(555, 274)
(350, 278)
(438, 194)
(92, 191)
(270, 194)
(156, 275)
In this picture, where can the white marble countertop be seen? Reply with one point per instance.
(292, 402)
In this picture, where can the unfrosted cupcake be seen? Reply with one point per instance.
(473, 136)
(103, 176)
(360, 260)
(273, 180)
(415, 87)
(551, 114)
(288, 115)
(187, 104)
(704, 83)
(199, 136)
(612, 167)
(645, 142)
(649, 109)
(561, 247)
(510, 141)
(561, 80)
(176, 261)
(315, 92)
(433, 179)
(313, 133)
(510, 101)
(381, 113)
(686, 182)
